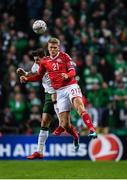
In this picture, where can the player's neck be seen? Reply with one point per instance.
(53, 57)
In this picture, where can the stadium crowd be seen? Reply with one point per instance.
(92, 32)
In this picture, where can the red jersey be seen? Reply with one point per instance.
(61, 63)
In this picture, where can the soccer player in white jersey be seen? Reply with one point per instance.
(48, 108)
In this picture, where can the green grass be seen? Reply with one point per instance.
(62, 170)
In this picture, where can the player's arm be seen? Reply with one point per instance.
(70, 67)
(34, 77)
(70, 74)
(23, 75)
(22, 72)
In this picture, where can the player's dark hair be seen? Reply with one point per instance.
(54, 40)
(38, 52)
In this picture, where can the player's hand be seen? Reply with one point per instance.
(64, 75)
(21, 72)
(23, 79)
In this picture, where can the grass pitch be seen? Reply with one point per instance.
(62, 170)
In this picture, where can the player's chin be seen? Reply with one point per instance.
(54, 53)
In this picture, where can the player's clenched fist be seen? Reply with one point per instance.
(64, 75)
(23, 79)
(21, 72)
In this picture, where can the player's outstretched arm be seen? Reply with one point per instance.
(21, 72)
(32, 78)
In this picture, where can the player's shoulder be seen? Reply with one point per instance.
(65, 55)
(62, 53)
(44, 59)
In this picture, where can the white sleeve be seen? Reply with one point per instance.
(35, 68)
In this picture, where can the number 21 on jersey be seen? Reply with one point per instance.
(55, 66)
(75, 91)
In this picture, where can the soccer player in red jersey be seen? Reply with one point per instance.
(50, 105)
(62, 75)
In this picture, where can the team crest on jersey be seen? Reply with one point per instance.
(59, 60)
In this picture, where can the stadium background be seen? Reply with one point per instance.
(93, 33)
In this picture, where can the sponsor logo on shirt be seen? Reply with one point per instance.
(59, 60)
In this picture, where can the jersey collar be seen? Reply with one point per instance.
(55, 56)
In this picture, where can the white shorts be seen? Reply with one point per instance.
(65, 96)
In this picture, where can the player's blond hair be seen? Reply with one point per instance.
(54, 41)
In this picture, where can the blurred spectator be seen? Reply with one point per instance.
(26, 63)
(35, 117)
(93, 78)
(105, 69)
(8, 124)
(34, 8)
(17, 106)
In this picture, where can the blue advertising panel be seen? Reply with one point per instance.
(105, 147)
(18, 147)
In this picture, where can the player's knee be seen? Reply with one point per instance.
(65, 125)
(45, 123)
(80, 109)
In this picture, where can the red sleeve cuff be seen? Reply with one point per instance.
(34, 78)
(71, 73)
